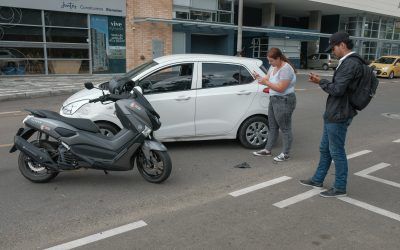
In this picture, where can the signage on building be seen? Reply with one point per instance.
(100, 7)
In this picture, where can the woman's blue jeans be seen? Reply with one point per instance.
(332, 148)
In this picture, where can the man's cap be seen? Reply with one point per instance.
(337, 38)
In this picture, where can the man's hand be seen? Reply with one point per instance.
(314, 78)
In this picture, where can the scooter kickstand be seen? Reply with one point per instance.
(105, 171)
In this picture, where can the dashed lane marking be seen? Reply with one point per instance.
(99, 236)
(10, 112)
(298, 198)
(365, 173)
(259, 186)
(358, 154)
(5, 145)
(397, 141)
(371, 208)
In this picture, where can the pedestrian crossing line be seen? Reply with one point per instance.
(365, 173)
(363, 152)
(259, 186)
(397, 141)
(371, 208)
(298, 198)
(99, 236)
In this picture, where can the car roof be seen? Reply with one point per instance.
(391, 56)
(207, 58)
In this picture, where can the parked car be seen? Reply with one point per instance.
(323, 61)
(199, 97)
(387, 66)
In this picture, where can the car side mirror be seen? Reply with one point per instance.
(89, 85)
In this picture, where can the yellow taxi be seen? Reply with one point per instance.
(387, 66)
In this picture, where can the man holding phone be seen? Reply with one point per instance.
(338, 115)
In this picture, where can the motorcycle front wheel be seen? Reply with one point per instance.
(156, 169)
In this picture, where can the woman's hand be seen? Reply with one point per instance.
(260, 79)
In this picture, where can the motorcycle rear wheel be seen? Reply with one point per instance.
(33, 171)
(156, 171)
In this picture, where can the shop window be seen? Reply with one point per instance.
(68, 66)
(65, 19)
(62, 35)
(10, 15)
(225, 5)
(181, 15)
(21, 33)
(68, 53)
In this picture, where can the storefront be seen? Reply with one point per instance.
(62, 37)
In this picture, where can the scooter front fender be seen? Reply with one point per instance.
(153, 145)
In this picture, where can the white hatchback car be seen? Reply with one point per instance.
(199, 97)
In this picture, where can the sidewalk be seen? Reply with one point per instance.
(21, 87)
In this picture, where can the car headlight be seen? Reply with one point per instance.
(73, 107)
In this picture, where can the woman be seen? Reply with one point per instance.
(281, 79)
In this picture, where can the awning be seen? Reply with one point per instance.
(273, 32)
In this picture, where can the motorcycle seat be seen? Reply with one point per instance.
(79, 123)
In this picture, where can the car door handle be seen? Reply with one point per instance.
(243, 92)
(183, 98)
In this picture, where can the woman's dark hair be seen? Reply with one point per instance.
(276, 53)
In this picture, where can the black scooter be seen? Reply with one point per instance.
(64, 144)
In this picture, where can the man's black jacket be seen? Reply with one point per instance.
(345, 78)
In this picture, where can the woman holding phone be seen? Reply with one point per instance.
(281, 79)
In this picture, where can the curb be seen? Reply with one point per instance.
(37, 94)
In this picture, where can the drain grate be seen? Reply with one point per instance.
(392, 116)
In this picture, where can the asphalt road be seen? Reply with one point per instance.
(193, 209)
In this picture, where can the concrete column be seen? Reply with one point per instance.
(314, 23)
(268, 15)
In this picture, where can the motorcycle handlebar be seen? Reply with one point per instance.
(110, 97)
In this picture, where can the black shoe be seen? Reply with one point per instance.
(332, 193)
(310, 183)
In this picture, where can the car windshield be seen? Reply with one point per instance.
(386, 60)
(134, 72)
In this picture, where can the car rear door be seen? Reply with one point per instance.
(224, 94)
(171, 90)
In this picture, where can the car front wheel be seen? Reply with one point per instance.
(253, 133)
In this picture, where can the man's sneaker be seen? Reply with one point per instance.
(310, 183)
(262, 152)
(332, 193)
(282, 157)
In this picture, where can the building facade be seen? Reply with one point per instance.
(100, 36)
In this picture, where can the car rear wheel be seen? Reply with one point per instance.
(253, 133)
(107, 129)
(325, 67)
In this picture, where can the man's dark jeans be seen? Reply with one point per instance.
(332, 148)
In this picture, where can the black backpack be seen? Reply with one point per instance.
(362, 93)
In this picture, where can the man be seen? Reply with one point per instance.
(338, 115)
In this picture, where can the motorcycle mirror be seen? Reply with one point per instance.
(138, 88)
(89, 85)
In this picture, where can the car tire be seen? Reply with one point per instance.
(253, 132)
(391, 75)
(107, 129)
(325, 67)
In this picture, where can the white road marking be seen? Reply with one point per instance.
(259, 186)
(365, 173)
(99, 236)
(397, 141)
(298, 198)
(371, 208)
(5, 145)
(10, 112)
(358, 154)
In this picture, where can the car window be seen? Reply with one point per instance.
(385, 60)
(313, 57)
(323, 56)
(169, 79)
(221, 75)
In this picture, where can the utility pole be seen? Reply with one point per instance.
(240, 24)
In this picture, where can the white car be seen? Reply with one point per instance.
(199, 97)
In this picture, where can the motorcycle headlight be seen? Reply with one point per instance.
(73, 107)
